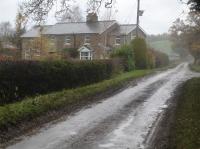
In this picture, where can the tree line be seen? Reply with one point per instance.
(185, 33)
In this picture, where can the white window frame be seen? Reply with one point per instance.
(27, 54)
(31, 40)
(117, 40)
(87, 39)
(133, 36)
(89, 55)
(68, 40)
(37, 53)
(52, 41)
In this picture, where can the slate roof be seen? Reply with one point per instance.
(124, 29)
(80, 28)
(34, 32)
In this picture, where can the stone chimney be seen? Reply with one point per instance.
(92, 17)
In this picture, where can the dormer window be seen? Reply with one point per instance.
(67, 40)
(118, 40)
(87, 39)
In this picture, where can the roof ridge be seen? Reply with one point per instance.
(42, 25)
(37, 26)
(126, 24)
(85, 22)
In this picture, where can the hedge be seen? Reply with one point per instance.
(161, 60)
(158, 59)
(127, 54)
(19, 79)
(13, 114)
(140, 52)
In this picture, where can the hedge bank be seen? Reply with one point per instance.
(12, 114)
(20, 79)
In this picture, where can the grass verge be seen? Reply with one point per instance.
(186, 129)
(30, 108)
(195, 68)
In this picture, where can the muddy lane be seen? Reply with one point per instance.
(122, 121)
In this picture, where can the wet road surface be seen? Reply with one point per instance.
(123, 121)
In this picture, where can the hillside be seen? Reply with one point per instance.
(162, 45)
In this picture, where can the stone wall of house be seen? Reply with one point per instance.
(99, 43)
(78, 40)
(26, 46)
(31, 47)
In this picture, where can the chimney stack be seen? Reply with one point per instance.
(92, 17)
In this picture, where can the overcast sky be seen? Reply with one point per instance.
(158, 16)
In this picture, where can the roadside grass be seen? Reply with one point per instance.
(30, 108)
(195, 68)
(186, 129)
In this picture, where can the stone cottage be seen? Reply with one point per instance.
(93, 39)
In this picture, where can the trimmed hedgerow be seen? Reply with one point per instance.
(19, 79)
(13, 114)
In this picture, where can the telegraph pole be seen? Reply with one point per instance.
(138, 19)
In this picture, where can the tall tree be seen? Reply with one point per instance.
(177, 37)
(19, 27)
(20, 22)
(6, 33)
(187, 34)
(192, 35)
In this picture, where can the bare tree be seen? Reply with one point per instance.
(109, 13)
(39, 9)
(74, 15)
(177, 38)
(6, 31)
(186, 35)
(20, 24)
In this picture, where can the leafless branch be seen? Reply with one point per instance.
(38, 9)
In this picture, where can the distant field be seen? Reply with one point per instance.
(163, 46)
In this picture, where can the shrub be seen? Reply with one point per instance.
(141, 53)
(161, 59)
(126, 53)
(151, 59)
(72, 53)
(19, 79)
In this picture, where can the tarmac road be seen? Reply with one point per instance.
(123, 121)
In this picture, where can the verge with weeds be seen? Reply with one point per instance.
(195, 68)
(185, 133)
